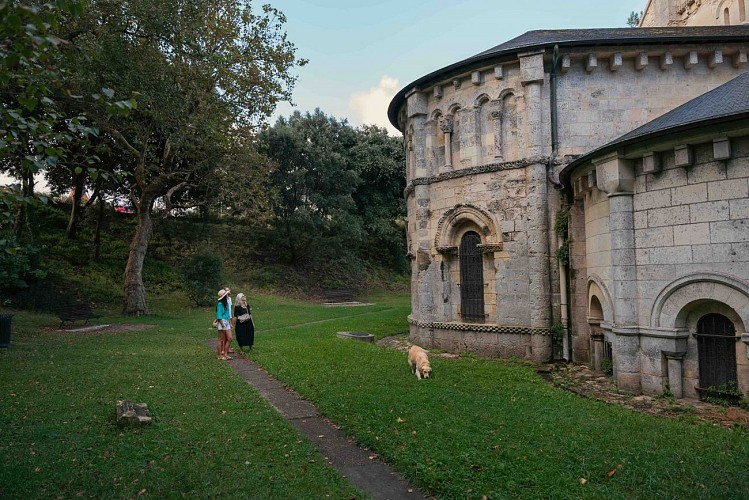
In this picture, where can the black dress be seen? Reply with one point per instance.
(244, 330)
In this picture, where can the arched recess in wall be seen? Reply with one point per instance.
(509, 126)
(724, 9)
(598, 297)
(679, 299)
(456, 115)
(464, 234)
(484, 131)
(437, 153)
(454, 222)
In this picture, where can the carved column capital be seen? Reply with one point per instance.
(446, 125)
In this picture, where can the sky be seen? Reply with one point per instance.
(362, 52)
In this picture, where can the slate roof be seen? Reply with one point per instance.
(728, 102)
(539, 39)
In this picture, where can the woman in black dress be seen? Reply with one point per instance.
(244, 329)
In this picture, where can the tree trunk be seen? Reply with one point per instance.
(72, 230)
(135, 291)
(99, 224)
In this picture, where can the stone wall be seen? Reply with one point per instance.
(480, 159)
(694, 13)
(690, 211)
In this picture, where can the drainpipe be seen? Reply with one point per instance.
(563, 302)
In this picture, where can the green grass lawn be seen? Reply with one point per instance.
(480, 427)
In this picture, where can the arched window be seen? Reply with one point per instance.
(726, 16)
(716, 349)
(471, 278)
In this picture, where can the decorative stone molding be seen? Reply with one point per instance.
(669, 307)
(456, 83)
(446, 125)
(490, 248)
(447, 251)
(479, 328)
(480, 169)
(597, 288)
(464, 212)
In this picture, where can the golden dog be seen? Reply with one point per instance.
(419, 362)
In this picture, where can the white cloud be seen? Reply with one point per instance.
(370, 107)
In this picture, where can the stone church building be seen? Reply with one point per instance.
(584, 195)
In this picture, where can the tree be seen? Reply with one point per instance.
(381, 162)
(313, 180)
(336, 195)
(206, 73)
(633, 21)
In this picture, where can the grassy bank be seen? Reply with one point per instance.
(479, 428)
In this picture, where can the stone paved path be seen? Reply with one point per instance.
(359, 465)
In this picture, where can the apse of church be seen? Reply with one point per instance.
(487, 139)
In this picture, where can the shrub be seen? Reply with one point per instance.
(203, 274)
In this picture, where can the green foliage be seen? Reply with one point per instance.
(336, 195)
(17, 267)
(607, 366)
(203, 275)
(633, 21)
(557, 332)
(727, 394)
(561, 228)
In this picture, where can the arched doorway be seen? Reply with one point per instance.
(471, 278)
(716, 350)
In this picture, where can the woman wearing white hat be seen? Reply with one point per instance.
(223, 315)
(244, 326)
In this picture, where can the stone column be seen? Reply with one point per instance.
(447, 128)
(416, 109)
(532, 77)
(615, 176)
(675, 384)
(496, 116)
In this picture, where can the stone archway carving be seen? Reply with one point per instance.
(458, 217)
(670, 307)
(597, 288)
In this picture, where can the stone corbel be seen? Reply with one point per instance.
(739, 58)
(489, 247)
(651, 162)
(447, 251)
(615, 174)
(667, 60)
